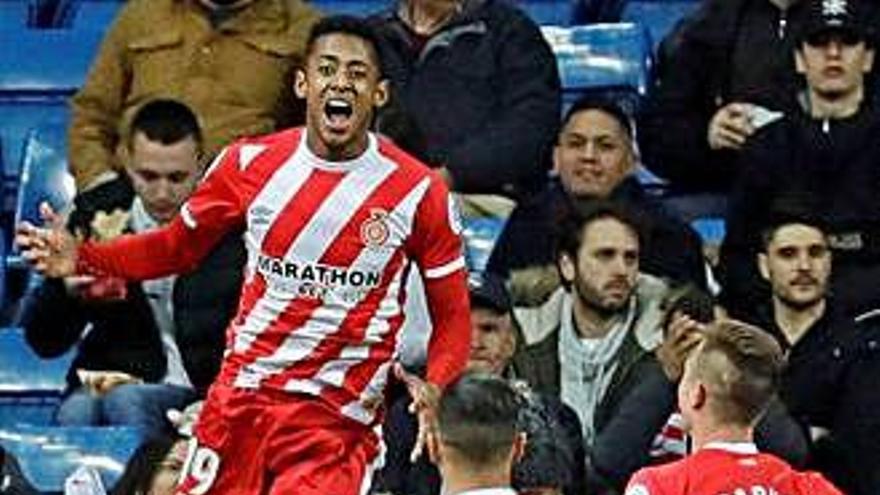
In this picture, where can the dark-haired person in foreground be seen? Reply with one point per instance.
(728, 382)
(477, 440)
(552, 463)
(335, 216)
(142, 347)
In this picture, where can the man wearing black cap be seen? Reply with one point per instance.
(828, 150)
(551, 464)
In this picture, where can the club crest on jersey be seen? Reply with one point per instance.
(375, 230)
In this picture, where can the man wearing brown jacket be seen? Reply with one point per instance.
(231, 61)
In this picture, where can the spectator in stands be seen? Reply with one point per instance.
(153, 469)
(594, 159)
(593, 342)
(728, 382)
(231, 61)
(554, 447)
(480, 84)
(696, 121)
(822, 346)
(151, 346)
(477, 440)
(826, 152)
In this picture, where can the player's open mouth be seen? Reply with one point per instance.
(337, 113)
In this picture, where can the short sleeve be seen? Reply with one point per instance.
(436, 244)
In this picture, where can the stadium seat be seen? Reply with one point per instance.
(87, 14)
(479, 235)
(36, 79)
(659, 16)
(30, 386)
(710, 229)
(612, 59)
(15, 14)
(549, 12)
(352, 7)
(49, 454)
(44, 177)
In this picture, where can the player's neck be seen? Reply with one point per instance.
(703, 435)
(326, 153)
(462, 480)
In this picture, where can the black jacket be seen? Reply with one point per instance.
(835, 165)
(484, 93)
(856, 422)
(671, 249)
(816, 386)
(706, 63)
(124, 335)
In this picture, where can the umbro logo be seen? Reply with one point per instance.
(261, 215)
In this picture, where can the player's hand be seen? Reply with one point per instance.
(425, 396)
(731, 126)
(51, 249)
(682, 336)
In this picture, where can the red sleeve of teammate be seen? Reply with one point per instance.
(213, 209)
(437, 249)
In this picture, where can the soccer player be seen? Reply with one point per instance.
(727, 384)
(334, 216)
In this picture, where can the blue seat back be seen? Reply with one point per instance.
(480, 235)
(549, 12)
(711, 230)
(36, 80)
(15, 14)
(352, 7)
(613, 57)
(87, 14)
(48, 455)
(25, 374)
(44, 174)
(659, 16)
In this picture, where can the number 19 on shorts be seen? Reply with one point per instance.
(199, 470)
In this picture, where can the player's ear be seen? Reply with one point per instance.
(300, 85)
(381, 93)
(699, 396)
(519, 447)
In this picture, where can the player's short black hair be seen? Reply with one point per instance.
(478, 418)
(350, 25)
(165, 121)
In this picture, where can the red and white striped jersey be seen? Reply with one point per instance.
(329, 246)
(728, 469)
